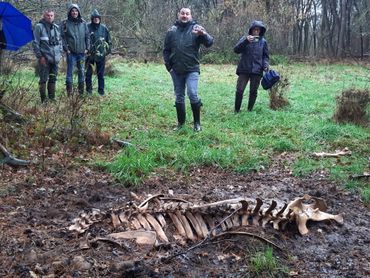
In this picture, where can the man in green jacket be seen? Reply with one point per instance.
(181, 58)
(47, 46)
(100, 47)
(76, 43)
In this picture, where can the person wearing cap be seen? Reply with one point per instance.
(253, 61)
(76, 43)
(100, 47)
(181, 58)
(47, 46)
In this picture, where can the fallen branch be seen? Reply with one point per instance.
(247, 234)
(363, 176)
(122, 143)
(10, 160)
(337, 153)
(10, 114)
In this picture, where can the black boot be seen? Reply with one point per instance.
(69, 89)
(252, 100)
(195, 107)
(181, 115)
(42, 90)
(51, 91)
(238, 101)
(81, 88)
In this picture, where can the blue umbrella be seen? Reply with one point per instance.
(15, 28)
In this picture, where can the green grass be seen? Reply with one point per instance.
(265, 264)
(139, 108)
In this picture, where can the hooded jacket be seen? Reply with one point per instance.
(75, 33)
(100, 40)
(254, 55)
(181, 47)
(47, 42)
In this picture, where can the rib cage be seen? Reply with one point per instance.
(172, 217)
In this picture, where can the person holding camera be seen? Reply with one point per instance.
(253, 61)
(181, 58)
(47, 46)
(100, 47)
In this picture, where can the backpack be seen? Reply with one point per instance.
(269, 79)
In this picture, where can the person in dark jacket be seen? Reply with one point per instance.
(181, 58)
(100, 47)
(253, 61)
(47, 46)
(76, 43)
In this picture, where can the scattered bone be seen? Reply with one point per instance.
(141, 237)
(337, 153)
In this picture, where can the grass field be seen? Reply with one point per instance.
(139, 108)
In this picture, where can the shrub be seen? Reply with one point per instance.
(278, 92)
(352, 107)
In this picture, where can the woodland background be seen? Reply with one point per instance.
(303, 28)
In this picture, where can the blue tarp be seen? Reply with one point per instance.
(15, 28)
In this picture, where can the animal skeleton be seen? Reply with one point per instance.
(163, 217)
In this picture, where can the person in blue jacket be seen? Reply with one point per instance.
(253, 61)
(181, 58)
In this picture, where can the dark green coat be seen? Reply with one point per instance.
(75, 33)
(181, 47)
(100, 41)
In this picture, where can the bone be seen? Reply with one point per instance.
(180, 229)
(157, 227)
(115, 220)
(141, 237)
(143, 222)
(236, 221)
(258, 206)
(161, 219)
(211, 223)
(186, 225)
(194, 223)
(202, 224)
(135, 223)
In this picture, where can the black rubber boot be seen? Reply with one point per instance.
(69, 89)
(195, 107)
(51, 91)
(238, 101)
(181, 115)
(81, 88)
(42, 90)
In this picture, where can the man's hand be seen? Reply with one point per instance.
(199, 30)
(42, 61)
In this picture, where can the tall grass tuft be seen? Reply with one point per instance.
(352, 107)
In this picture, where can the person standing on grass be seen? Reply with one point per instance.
(253, 61)
(181, 58)
(76, 43)
(100, 47)
(47, 46)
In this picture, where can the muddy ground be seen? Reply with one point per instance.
(37, 206)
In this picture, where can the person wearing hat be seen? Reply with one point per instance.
(253, 61)
(100, 47)
(76, 43)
